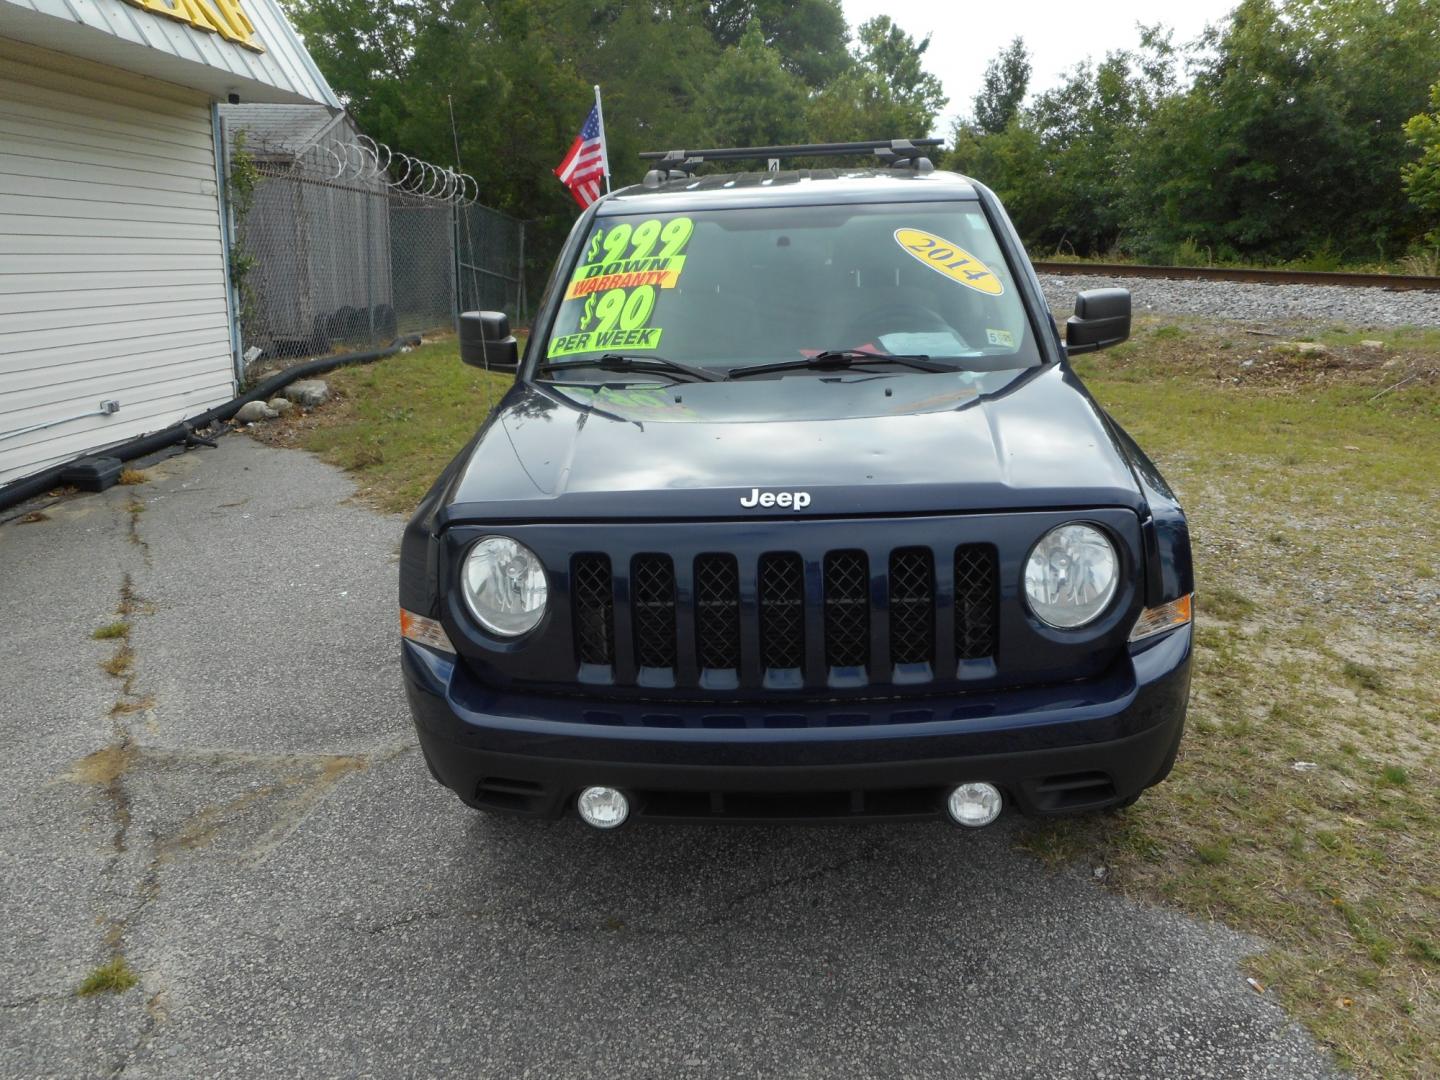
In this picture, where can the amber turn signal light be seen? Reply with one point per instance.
(424, 631)
(1157, 620)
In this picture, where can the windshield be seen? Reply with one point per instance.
(726, 289)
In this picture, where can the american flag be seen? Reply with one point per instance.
(583, 170)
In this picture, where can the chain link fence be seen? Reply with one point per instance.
(344, 246)
(492, 261)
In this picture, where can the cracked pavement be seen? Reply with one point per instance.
(242, 815)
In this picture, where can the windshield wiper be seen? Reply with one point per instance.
(647, 364)
(839, 359)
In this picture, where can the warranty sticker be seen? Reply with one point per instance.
(951, 260)
(626, 274)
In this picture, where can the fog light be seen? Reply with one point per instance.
(974, 805)
(603, 807)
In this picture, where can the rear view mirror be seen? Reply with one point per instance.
(486, 341)
(1101, 319)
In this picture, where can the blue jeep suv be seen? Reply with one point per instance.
(797, 510)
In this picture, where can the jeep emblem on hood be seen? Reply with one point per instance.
(793, 500)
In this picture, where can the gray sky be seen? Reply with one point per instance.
(966, 36)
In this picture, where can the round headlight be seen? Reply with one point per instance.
(1071, 576)
(505, 586)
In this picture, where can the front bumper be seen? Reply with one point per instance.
(1053, 749)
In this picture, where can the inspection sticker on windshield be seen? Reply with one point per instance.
(1000, 337)
(951, 260)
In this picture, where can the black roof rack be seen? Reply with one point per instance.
(677, 164)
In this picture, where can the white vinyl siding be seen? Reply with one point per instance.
(112, 274)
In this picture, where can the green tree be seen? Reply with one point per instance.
(1289, 142)
(1064, 165)
(1421, 177)
(809, 35)
(893, 55)
(885, 92)
(365, 48)
(751, 99)
(1007, 77)
(1016, 163)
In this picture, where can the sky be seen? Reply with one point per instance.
(965, 37)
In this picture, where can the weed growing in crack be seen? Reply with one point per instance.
(134, 705)
(112, 977)
(119, 664)
(110, 631)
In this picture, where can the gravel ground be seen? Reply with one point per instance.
(1358, 308)
(259, 837)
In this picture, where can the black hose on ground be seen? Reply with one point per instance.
(30, 486)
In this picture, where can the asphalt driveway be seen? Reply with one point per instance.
(242, 814)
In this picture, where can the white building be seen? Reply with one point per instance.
(114, 290)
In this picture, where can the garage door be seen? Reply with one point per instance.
(112, 274)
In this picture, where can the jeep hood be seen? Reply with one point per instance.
(856, 445)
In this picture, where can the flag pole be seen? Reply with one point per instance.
(604, 146)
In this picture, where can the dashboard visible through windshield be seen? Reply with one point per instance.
(724, 290)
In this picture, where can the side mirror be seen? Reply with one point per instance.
(1101, 319)
(486, 341)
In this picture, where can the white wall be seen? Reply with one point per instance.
(112, 275)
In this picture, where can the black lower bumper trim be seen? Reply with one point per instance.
(1060, 781)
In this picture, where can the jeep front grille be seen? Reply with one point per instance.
(592, 596)
(717, 613)
(976, 618)
(782, 611)
(876, 619)
(652, 609)
(847, 609)
(912, 607)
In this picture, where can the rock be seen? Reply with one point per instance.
(308, 392)
(252, 411)
(1303, 348)
(1374, 346)
(281, 405)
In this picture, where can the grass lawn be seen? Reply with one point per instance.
(1305, 806)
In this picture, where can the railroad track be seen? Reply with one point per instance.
(1394, 282)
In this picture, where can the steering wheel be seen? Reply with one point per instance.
(893, 318)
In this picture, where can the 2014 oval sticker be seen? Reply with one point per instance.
(951, 260)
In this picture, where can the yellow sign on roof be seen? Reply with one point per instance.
(223, 17)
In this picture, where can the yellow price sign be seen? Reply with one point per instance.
(951, 260)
